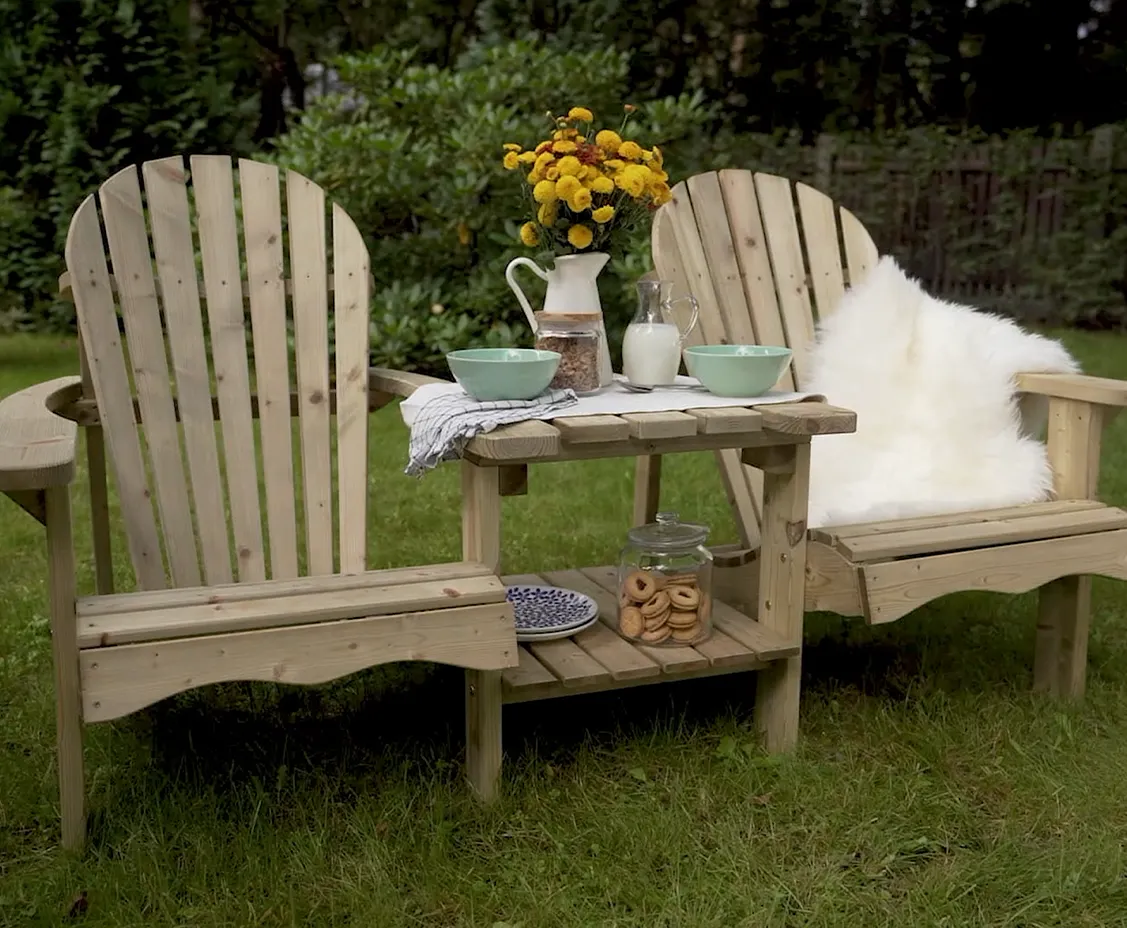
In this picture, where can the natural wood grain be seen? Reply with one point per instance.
(650, 425)
(350, 311)
(97, 321)
(575, 430)
(819, 232)
(124, 217)
(99, 486)
(305, 212)
(807, 419)
(861, 254)
(37, 448)
(528, 674)
(120, 680)
(647, 488)
(167, 195)
(726, 421)
(522, 441)
(833, 583)
(214, 189)
(1099, 390)
(262, 241)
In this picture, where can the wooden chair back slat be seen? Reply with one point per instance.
(733, 239)
(159, 415)
(166, 186)
(819, 233)
(742, 205)
(861, 254)
(214, 188)
(266, 274)
(350, 315)
(306, 214)
(124, 218)
(97, 318)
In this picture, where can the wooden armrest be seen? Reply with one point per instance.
(37, 447)
(1103, 391)
(397, 383)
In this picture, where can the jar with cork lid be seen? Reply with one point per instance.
(578, 339)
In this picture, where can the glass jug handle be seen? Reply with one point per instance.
(693, 320)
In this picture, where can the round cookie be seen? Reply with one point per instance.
(658, 635)
(682, 619)
(655, 622)
(639, 586)
(630, 622)
(683, 597)
(685, 634)
(656, 604)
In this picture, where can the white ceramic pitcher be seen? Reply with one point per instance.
(572, 288)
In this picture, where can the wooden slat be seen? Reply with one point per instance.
(97, 319)
(262, 237)
(521, 440)
(740, 483)
(742, 204)
(571, 665)
(167, 194)
(1100, 390)
(892, 589)
(720, 251)
(37, 448)
(860, 253)
(214, 188)
(529, 673)
(619, 656)
(647, 425)
(761, 641)
(819, 232)
(124, 217)
(292, 609)
(350, 313)
(807, 419)
(833, 533)
(781, 230)
(576, 430)
(305, 211)
(121, 680)
(726, 421)
(673, 660)
(980, 534)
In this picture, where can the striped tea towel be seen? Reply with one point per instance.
(445, 422)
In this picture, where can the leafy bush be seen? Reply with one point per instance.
(413, 153)
(87, 87)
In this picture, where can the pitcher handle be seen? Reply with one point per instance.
(693, 320)
(515, 287)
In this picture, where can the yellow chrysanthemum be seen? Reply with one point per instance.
(561, 134)
(544, 146)
(580, 235)
(580, 114)
(511, 146)
(631, 151)
(564, 148)
(527, 157)
(658, 161)
(614, 164)
(566, 186)
(603, 214)
(544, 192)
(544, 159)
(529, 235)
(569, 164)
(602, 185)
(553, 172)
(535, 176)
(608, 140)
(633, 180)
(580, 200)
(511, 161)
(662, 194)
(546, 215)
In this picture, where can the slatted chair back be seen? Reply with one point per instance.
(765, 258)
(189, 492)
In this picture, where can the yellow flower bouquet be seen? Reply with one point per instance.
(584, 184)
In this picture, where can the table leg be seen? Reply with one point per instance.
(481, 541)
(786, 485)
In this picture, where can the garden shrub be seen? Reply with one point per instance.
(413, 152)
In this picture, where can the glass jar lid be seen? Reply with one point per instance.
(668, 533)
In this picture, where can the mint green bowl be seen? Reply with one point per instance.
(503, 373)
(737, 370)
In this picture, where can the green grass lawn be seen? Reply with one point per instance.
(930, 787)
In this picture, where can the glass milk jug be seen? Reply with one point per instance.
(651, 347)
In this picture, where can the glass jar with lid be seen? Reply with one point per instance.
(665, 583)
(577, 338)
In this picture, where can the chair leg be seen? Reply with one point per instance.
(647, 488)
(1061, 655)
(481, 542)
(64, 646)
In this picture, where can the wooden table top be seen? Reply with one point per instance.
(627, 435)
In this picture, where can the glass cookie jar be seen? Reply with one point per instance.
(665, 583)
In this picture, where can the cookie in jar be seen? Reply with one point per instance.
(665, 583)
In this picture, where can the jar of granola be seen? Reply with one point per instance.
(577, 338)
(665, 583)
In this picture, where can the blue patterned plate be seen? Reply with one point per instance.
(544, 612)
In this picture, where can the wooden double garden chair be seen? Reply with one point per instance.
(765, 258)
(227, 588)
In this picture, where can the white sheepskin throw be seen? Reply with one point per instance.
(939, 424)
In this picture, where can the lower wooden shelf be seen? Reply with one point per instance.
(598, 658)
